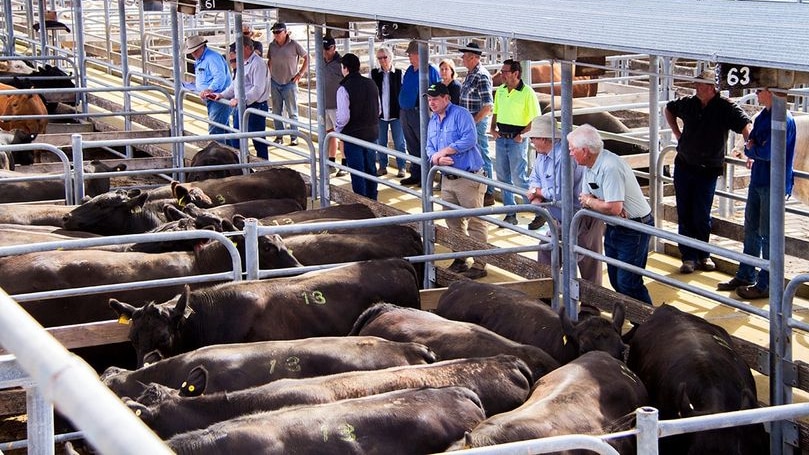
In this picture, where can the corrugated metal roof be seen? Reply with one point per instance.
(770, 34)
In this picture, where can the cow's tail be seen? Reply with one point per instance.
(368, 316)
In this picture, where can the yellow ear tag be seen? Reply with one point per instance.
(138, 412)
(124, 319)
(191, 388)
(564, 340)
(181, 202)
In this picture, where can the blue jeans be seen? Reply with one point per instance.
(395, 126)
(512, 165)
(364, 160)
(482, 128)
(219, 113)
(412, 133)
(694, 191)
(756, 235)
(632, 247)
(254, 123)
(284, 96)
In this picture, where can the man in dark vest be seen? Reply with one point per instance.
(358, 116)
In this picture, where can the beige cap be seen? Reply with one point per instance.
(709, 76)
(544, 126)
(193, 43)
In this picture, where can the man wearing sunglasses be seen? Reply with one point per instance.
(283, 56)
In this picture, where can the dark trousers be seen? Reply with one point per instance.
(694, 191)
(364, 160)
(254, 123)
(632, 247)
(412, 133)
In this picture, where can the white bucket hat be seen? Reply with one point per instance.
(544, 126)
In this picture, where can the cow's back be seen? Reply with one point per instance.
(30, 104)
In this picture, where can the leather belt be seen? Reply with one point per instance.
(456, 177)
(643, 219)
(508, 135)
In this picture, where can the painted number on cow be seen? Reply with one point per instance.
(291, 363)
(738, 76)
(315, 297)
(282, 221)
(343, 432)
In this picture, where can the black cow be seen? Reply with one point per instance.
(518, 317)
(214, 154)
(15, 136)
(41, 190)
(413, 421)
(273, 183)
(78, 268)
(322, 303)
(242, 365)
(690, 368)
(502, 383)
(335, 212)
(594, 394)
(448, 339)
(46, 77)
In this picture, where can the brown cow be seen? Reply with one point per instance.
(30, 104)
(541, 74)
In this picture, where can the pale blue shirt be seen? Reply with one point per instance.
(547, 175)
(611, 180)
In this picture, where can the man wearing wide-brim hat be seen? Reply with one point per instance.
(707, 117)
(211, 76)
(545, 186)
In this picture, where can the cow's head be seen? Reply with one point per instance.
(96, 214)
(94, 187)
(595, 333)
(187, 194)
(155, 327)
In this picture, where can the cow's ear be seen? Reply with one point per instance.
(618, 316)
(140, 410)
(182, 310)
(172, 213)
(238, 222)
(139, 200)
(152, 357)
(124, 310)
(567, 324)
(179, 190)
(194, 384)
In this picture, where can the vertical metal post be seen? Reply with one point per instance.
(570, 295)
(43, 32)
(177, 44)
(78, 32)
(78, 170)
(9, 27)
(778, 326)
(239, 81)
(428, 226)
(40, 423)
(647, 430)
(655, 194)
(251, 263)
(322, 143)
(125, 71)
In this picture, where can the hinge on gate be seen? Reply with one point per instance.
(763, 363)
(790, 373)
(574, 290)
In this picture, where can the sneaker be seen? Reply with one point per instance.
(340, 173)
(279, 140)
(293, 143)
(382, 171)
(752, 292)
(688, 266)
(458, 266)
(706, 264)
(488, 199)
(511, 218)
(537, 223)
(412, 180)
(732, 284)
(401, 173)
(475, 273)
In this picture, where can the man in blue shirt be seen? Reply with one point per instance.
(452, 141)
(409, 109)
(212, 75)
(746, 283)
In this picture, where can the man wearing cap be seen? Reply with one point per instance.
(283, 55)
(256, 94)
(389, 82)
(476, 97)
(515, 105)
(747, 283)
(211, 75)
(358, 116)
(610, 187)
(452, 141)
(544, 186)
(333, 73)
(258, 48)
(707, 117)
(409, 109)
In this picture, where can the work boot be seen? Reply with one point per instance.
(458, 266)
(537, 223)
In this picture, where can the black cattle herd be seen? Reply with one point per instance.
(344, 360)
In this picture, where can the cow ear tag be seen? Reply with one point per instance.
(124, 319)
(564, 340)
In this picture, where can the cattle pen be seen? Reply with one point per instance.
(146, 119)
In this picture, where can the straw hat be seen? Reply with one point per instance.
(193, 43)
(544, 126)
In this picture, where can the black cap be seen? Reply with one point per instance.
(437, 90)
(472, 48)
(328, 42)
(278, 26)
